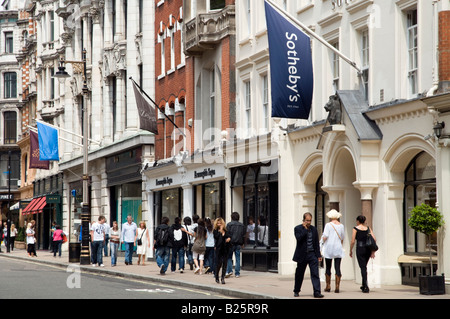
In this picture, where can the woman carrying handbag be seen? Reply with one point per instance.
(363, 253)
(333, 238)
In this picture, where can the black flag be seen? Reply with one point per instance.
(147, 113)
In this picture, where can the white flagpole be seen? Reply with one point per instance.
(64, 130)
(61, 138)
(315, 35)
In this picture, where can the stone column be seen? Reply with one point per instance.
(96, 78)
(366, 200)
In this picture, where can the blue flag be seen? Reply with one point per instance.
(48, 143)
(290, 67)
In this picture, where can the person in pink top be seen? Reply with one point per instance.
(57, 240)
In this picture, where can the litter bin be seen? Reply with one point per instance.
(74, 252)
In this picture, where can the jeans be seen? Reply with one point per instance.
(114, 248)
(189, 255)
(237, 255)
(210, 259)
(105, 246)
(97, 253)
(177, 251)
(129, 252)
(162, 257)
(57, 247)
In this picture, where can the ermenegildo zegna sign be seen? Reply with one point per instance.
(206, 172)
(193, 175)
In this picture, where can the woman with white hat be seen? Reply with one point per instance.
(333, 238)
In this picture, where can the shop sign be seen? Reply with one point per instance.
(164, 181)
(206, 172)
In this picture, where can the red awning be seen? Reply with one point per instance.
(27, 210)
(39, 206)
(35, 206)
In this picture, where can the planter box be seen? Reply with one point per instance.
(20, 245)
(432, 285)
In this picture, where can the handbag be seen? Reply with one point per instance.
(139, 241)
(371, 244)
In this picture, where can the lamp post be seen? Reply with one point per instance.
(62, 75)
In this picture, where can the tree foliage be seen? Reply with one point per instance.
(425, 219)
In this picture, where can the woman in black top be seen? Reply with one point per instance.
(362, 253)
(222, 245)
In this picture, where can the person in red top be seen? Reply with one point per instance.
(57, 240)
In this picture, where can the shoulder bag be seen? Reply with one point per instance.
(370, 241)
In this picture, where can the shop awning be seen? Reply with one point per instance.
(35, 206)
(38, 208)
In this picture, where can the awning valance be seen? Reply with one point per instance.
(35, 206)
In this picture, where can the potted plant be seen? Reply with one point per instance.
(427, 220)
(20, 238)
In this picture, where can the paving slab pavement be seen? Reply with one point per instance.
(250, 285)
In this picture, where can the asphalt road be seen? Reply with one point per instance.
(29, 280)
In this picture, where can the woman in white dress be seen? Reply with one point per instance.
(142, 240)
(333, 238)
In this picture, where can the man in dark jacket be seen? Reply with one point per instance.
(179, 241)
(162, 245)
(236, 231)
(307, 252)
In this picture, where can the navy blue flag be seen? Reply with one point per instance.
(290, 67)
(48, 143)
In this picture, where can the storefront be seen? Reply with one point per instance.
(181, 191)
(124, 183)
(254, 192)
(45, 208)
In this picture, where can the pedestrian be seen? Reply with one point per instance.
(333, 239)
(57, 240)
(307, 252)
(250, 236)
(189, 230)
(12, 236)
(199, 247)
(114, 237)
(107, 231)
(210, 243)
(143, 242)
(179, 240)
(97, 240)
(127, 237)
(363, 254)
(5, 234)
(263, 232)
(162, 245)
(222, 247)
(31, 241)
(52, 231)
(237, 232)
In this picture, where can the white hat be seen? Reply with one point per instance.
(334, 214)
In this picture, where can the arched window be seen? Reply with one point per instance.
(420, 187)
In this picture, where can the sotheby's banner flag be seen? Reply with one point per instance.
(48, 142)
(290, 67)
(35, 162)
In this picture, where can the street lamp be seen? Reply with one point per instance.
(62, 75)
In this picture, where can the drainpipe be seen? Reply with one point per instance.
(435, 86)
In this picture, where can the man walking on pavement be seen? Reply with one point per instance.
(98, 238)
(237, 233)
(162, 244)
(128, 234)
(307, 252)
